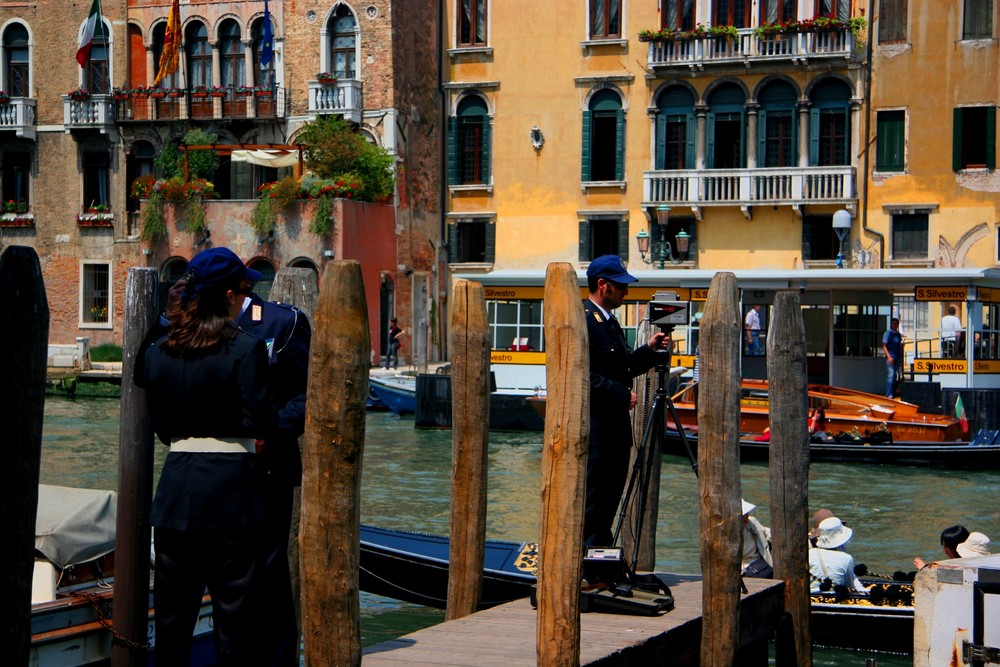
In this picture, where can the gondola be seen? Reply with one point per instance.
(413, 567)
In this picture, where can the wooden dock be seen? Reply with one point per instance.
(505, 635)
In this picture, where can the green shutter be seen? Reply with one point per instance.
(453, 151)
(762, 138)
(623, 239)
(991, 138)
(956, 140)
(454, 239)
(491, 242)
(585, 241)
(660, 157)
(690, 134)
(814, 137)
(487, 143)
(620, 145)
(710, 141)
(585, 146)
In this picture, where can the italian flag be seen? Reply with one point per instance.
(960, 414)
(87, 38)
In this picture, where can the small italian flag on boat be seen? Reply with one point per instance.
(960, 414)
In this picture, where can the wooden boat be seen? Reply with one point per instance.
(73, 582)
(398, 392)
(414, 567)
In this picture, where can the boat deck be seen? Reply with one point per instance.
(505, 635)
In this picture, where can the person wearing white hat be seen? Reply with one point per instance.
(977, 544)
(757, 560)
(830, 566)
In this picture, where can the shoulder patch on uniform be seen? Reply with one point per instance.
(597, 316)
(256, 312)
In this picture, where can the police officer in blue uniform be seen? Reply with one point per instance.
(612, 367)
(287, 334)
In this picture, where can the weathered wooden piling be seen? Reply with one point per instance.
(470, 419)
(300, 288)
(24, 339)
(789, 474)
(719, 471)
(135, 480)
(564, 468)
(339, 362)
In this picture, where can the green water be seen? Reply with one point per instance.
(897, 513)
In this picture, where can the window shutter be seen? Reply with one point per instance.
(491, 242)
(585, 146)
(690, 134)
(623, 239)
(795, 137)
(453, 151)
(486, 144)
(956, 140)
(454, 240)
(742, 162)
(620, 145)
(660, 157)
(846, 112)
(710, 141)
(762, 139)
(585, 241)
(991, 138)
(813, 137)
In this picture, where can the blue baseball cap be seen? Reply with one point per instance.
(218, 268)
(610, 267)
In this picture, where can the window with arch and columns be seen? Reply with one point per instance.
(342, 43)
(16, 61)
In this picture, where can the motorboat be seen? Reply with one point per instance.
(398, 392)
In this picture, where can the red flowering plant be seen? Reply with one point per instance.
(820, 22)
(142, 186)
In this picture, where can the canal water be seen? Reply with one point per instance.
(896, 512)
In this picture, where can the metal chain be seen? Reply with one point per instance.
(100, 605)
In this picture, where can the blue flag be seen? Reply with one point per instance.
(267, 47)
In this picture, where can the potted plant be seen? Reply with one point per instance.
(79, 94)
(326, 77)
(262, 91)
(119, 93)
(4, 97)
(175, 92)
(157, 93)
(98, 208)
(199, 91)
(218, 91)
(244, 91)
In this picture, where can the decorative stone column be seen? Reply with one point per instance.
(804, 133)
(752, 143)
(701, 134)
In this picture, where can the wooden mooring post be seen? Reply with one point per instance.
(470, 428)
(24, 339)
(789, 474)
(339, 361)
(564, 469)
(719, 471)
(135, 480)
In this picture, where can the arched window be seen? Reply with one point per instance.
(16, 60)
(343, 58)
(469, 143)
(830, 126)
(726, 138)
(199, 55)
(604, 138)
(234, 64)
(777, 126)
(98, 72)
(675, 129)
(262, 287)
(264, 77)
(159, 36)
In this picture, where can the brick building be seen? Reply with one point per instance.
(67, 161)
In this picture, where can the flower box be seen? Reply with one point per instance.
(159, 96)
(326, 81)
(263, 93)
(218, 93)
(4, 99)
(17, 220)
(175, 93)
(79, 97)
(95, 219)
(199, 95)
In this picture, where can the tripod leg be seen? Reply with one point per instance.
(683, 436)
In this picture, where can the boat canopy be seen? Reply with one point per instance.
(74, 525)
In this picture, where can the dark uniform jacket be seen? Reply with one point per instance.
(286, 332)
(612, 364)
(221, 393)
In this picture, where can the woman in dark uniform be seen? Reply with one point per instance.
(207, 388)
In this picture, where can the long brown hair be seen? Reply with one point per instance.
(198, 321)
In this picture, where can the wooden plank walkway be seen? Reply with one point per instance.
(505, 635)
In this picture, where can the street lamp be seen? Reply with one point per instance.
(842, 227)
(663, 250)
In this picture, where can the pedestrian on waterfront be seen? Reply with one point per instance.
(831, 568)
(752, 325)
(892, 348)
(757, 560)
(974, 546)
(612, 367)
(951, 537)
(209, 400)
(286, 332)
(395, 342)
(951, 331)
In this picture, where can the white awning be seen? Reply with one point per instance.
(266, 158)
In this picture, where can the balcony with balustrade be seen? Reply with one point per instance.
(91, 112)
(341, 96)
(17, 114)
(229, 103)
(752, 47)
(746, 188)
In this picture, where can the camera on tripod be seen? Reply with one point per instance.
(666, 312)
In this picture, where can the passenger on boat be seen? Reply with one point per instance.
(757, 560)
(209, 399)
(830, 566)
(976, 545)
(951, 537)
